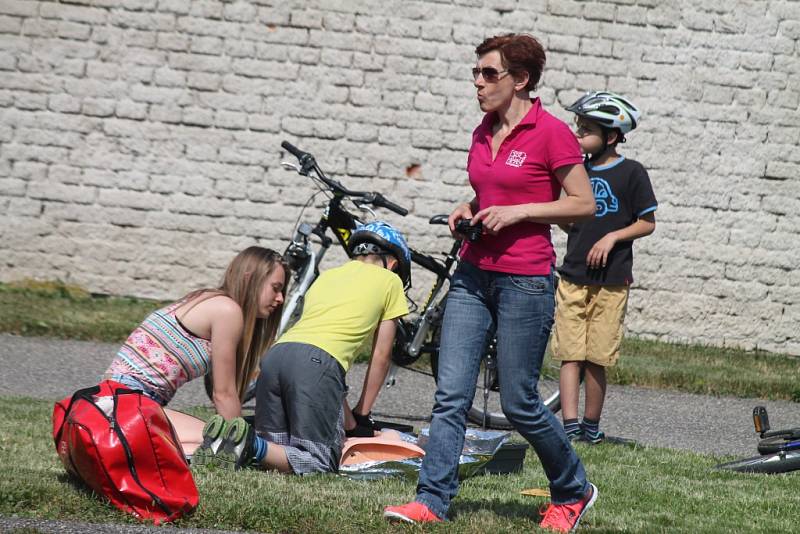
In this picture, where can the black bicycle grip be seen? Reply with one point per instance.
(299, 154)
(471, 231)
(382, 201)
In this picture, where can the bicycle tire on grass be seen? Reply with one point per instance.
(782, 462)
(787, 440)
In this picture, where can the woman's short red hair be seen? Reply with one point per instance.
(519, 53)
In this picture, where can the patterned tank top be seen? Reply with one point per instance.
(162, 355)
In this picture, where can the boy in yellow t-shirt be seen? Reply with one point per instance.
(301, 412)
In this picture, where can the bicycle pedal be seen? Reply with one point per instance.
(760, 419)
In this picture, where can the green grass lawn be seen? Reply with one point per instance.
(707, 370)
(641, 490)
(56, 310)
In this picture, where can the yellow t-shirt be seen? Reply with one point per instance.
(343, 307)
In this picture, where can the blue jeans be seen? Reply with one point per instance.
(520, 310)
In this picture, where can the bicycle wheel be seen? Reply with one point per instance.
(770, 464)
(492, 416)
(785, 440)
(486, 410)
(548, 391)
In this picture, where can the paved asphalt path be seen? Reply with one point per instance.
(53, 368)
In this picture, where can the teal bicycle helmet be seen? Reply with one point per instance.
(381, 238)
(609, 109)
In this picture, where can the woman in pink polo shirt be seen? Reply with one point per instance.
(520, 160)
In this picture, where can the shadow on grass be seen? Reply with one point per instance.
(80, 486)
(500, 507)
(105, 513)
(626, 442)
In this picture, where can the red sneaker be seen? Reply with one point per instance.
(413, 512)
(565, 517)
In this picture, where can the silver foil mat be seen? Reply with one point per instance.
(479, 447)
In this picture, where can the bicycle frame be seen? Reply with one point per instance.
(432, 311)
(779, 449)
(417, 336)
(305, 261)
(405, 352)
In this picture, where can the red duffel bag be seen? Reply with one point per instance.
(121, 444)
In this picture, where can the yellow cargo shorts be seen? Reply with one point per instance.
(589, 323)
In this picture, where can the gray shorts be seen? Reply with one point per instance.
(299, 398)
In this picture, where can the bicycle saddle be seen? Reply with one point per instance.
(438, 219)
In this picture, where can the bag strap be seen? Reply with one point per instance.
(126, 447)
(88, 394)
(85, 393)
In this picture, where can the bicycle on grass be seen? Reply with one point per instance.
(418, 334)
(779, 449)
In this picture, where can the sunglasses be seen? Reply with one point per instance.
(490, 74)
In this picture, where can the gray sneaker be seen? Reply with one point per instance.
(238, 446)
(575, 435)
(594, 439)
(213, 432)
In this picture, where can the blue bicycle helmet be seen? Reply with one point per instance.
(379, 237)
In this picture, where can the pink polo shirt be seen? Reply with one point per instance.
(522, 173)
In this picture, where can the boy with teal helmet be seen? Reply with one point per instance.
(596, 272)
(301, 413)
(611, 112)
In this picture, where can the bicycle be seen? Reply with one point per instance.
(416, 336)
(419, 336)
(301, 256)
(779, 449)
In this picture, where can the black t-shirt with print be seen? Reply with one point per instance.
(622, 193)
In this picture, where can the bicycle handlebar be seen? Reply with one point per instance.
(380, 200)
(308, 163)
(296, 152)
(429, 263)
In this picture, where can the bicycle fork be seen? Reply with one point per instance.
(303, 259)
(431, 316)
(489, 380)
(391, 376)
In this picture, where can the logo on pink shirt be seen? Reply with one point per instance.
(516, 158)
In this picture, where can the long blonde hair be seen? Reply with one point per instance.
(243, 280)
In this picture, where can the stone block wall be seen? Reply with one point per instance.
(140, 139)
